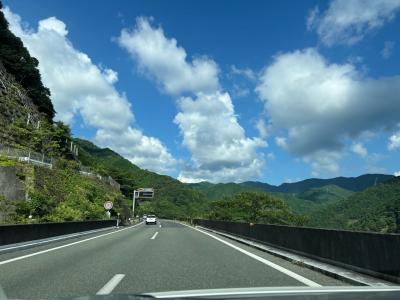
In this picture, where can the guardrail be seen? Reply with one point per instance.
(374, 254)
(17, 233)
(28, 156)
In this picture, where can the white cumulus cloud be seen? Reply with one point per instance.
(219, 147)
(394, 141)
(80, 87)
(220, 150)
(323, 162)
(348, 21)
(320, 104)
(397, 173)
(359, 149)
(162, 58)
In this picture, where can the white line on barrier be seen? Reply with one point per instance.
(109, 286)
(262, 260)
(64, 237)
(154, 236)
(63, 246)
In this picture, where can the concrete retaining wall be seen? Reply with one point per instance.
(11, 187)
(371, 253)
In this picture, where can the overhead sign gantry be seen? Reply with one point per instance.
(145, 193)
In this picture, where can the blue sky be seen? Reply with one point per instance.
(224, 91)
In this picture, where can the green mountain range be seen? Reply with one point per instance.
(374, 209)
(349, 183)
(303, 196)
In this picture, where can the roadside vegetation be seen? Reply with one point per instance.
(60, 194)
(255, 207)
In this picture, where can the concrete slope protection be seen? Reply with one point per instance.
(146, 258)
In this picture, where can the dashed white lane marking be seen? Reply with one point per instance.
(109, 286)
(154, 236)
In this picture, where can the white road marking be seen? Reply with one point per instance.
(63, 246)
(262, 260)
(154, 236)
(55, 239)
(109, 286)
(269, 290)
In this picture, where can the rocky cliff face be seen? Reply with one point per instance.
(14, 104)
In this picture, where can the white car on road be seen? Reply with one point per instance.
(151, 219)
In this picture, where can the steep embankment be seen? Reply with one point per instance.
(24, 68)
(40, 194)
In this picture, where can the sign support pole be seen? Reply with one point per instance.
(133, 204)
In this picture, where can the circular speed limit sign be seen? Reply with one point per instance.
(108, 205)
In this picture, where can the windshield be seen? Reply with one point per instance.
(170, 146)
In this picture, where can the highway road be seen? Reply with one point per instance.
(146, 258)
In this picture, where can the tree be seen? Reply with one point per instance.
(255, 207)
(51, 139)
(18, 62)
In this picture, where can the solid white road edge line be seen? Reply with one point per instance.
(109, 286)
(262, 260)
(64, 237)
(63, 246)
(256, 291)
(154, 236)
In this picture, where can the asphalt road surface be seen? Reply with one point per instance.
(146, 258)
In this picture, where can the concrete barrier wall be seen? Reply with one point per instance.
(371, 253)
(10, 234)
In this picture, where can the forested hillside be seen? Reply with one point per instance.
(255, 207)
(311, 196)
(19, 63)
(172, 198)
(221, 190)
(374, 209)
